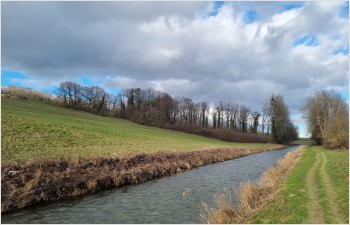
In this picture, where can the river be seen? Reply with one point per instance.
(174, 199)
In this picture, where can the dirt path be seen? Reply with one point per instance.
(330, 192)
(316, 214)
(316, 209)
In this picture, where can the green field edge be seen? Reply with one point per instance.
(34, 130)
(292, 205)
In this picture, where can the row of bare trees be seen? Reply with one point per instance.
(153, 107)
(239, 117)
(327, 118)
(156, 108)
(88, 98)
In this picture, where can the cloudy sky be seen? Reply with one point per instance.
(233, 51)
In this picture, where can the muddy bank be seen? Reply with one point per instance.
(37, 183)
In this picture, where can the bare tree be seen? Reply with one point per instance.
(228, 114)
(234, 118)
(204, 108)
(166, 107)
(265, 116)
(243, 117)
(256, 117)
(62, 94)
(77, 94)
(320, 108)
(219, 106)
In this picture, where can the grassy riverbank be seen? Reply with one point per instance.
(250, 196)
(316, 191)
(50, 153)
(38, 130)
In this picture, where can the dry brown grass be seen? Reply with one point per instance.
(32, 183)
(227, 213)
(251, 197)
(221, 134)
(91, 185)
(43, 181)
(25, 93)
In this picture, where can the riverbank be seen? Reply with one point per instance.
(317, 191)
(52, 180)
(251, 197)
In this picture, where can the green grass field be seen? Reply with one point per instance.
(39, 130)
(303, 141)
(317, 191)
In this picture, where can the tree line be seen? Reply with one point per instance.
(223, 120)
(326, 113)
(327, 119)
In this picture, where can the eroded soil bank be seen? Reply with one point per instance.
(42, 182)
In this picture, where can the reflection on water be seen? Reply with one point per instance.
(158, 201)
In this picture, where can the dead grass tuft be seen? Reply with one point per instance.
(248, 197)
(251, 197)
(270, 178)
(91, 185)
(34, 182)
(224, 211)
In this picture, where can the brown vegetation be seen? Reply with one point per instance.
(25, 93)
(223, 134)
(327, 118)
(50, 180)
(250, 197)
(336, 132)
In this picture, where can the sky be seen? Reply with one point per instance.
(237, 52)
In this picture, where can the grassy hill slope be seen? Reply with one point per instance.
(38, 130)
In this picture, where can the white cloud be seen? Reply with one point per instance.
(178, 48)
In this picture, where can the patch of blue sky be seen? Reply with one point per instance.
(345, 94)
(88, 81)
(292, 5)
(300, 123)
(113, 91)
(308, 40)
(9, 78)
(302, 129)
(85, 80)
(250, 16)
(344, 10)
(51, 89)
(217, 7)
(344, 51)
(18, 79)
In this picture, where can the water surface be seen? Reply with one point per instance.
(174, 199)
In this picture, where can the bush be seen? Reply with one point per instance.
(336, 132)
(222, 134)
(25, 93)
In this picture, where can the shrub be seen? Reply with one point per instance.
(25, 93)
(222, 134)
(336, 132)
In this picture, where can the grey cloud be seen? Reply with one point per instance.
(174, 47)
